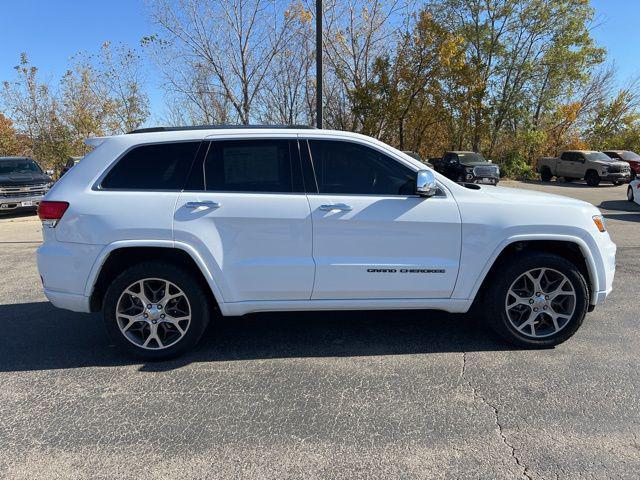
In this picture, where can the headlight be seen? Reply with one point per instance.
(605, 168)
(468, 169)
(600, 222)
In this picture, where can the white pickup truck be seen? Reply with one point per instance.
(164, 228)
(594, 167)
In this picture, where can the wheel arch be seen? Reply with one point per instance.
(573, 249)
(119, 255)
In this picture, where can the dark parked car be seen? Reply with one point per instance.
(71, 162)
(632, 158)
(467, 167)
(22, 183)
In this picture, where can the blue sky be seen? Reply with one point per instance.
(51, 31)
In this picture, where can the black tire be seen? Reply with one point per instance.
(496, 296)
(592, 178)
(630, 194)
(545, 174)
(194, 292)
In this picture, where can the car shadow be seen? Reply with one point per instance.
(632, 210)
(18, 213)
(37, 336)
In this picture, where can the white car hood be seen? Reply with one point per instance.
(519, 195)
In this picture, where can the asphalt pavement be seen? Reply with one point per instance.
(321, 395)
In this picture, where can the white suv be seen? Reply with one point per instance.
(160, 228)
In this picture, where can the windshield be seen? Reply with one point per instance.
(471, 157)
(598, 157)
(630, 156)
(18, 165)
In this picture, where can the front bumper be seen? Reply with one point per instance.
(68, 301)
(616, 177)
(470, 178)
(12, 203)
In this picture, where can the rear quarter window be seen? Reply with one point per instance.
(160, 166)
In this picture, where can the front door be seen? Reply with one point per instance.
(372, 237)
(246, 213)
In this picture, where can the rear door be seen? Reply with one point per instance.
(565, 164)
(372, 236)
(246, 213)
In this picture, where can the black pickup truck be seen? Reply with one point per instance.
(22, 183)
(467, 167)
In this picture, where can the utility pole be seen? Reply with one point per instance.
(319, 63)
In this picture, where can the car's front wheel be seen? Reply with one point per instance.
(537, 301)
(592, 178)
(155, 310)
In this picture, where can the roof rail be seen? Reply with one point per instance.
(215, 127)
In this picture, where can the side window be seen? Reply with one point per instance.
(566, 156)
(253, 166)
(161, 166)
(345, 167)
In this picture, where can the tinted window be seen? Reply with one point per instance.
(471, 157)
(162, 166)
(597, 156)
(612, 154)
(18, 165)
(252, 166)
(344, 167)
(631, 156)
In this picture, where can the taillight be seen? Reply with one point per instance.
(51, 212)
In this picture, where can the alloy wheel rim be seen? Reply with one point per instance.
(540, 302)
(153, 313)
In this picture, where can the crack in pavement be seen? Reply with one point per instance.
(503, 437)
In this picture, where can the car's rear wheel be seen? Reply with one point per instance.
(545, 174)
(537, 301)
(155, 310)
(630, 194)
(592, 178)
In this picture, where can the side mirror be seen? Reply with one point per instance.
(426, 183)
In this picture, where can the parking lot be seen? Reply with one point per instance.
(322, 395)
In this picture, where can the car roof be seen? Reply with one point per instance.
(15, 158)
(178, 134)
(220, 127)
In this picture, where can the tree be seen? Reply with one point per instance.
(524, 56)
(11, 143)
(223, 49)
(289, 93)
(91, 99)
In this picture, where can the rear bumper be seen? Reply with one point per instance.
(64, 269)
(12, 203)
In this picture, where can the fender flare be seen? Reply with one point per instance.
(582, 245)
(192, 252)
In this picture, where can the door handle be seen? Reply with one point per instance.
(343, 207)
(206, 203)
